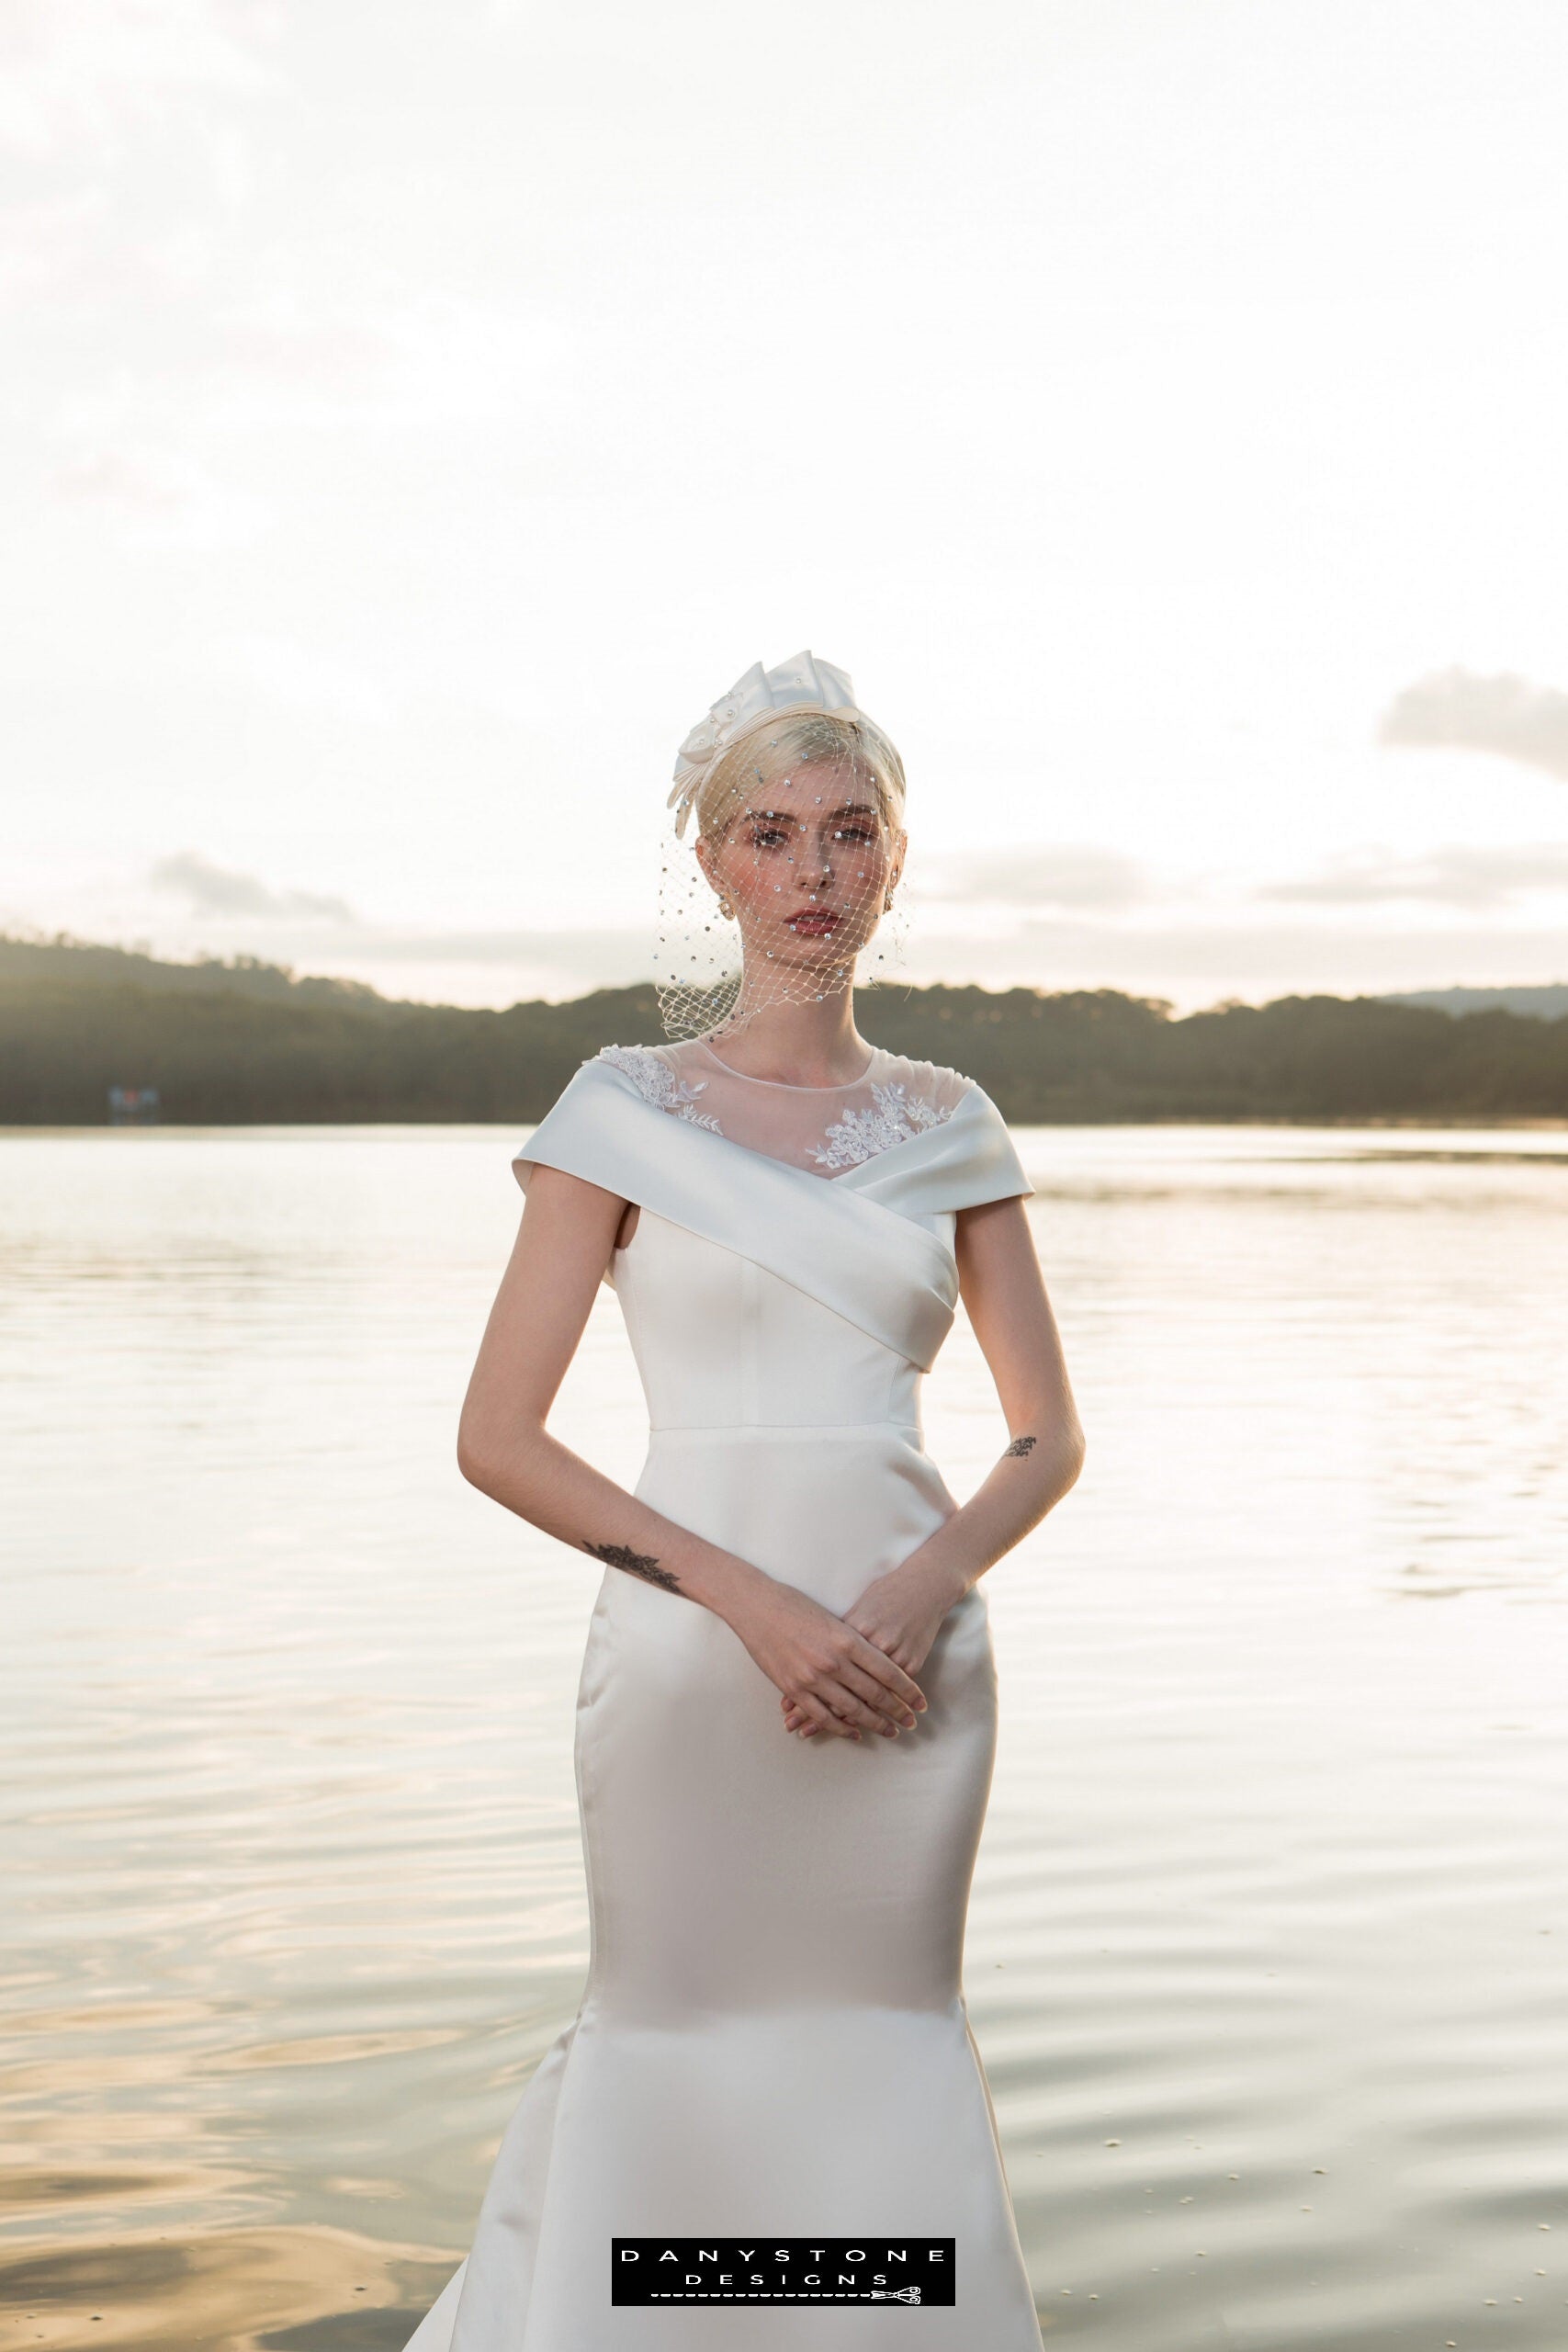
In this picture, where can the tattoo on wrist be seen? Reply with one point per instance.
(1019, 1445)
(636, 1564)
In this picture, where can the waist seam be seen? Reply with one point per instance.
(786, 1429)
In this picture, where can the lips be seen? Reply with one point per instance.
(813, 923)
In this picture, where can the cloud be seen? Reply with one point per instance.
(409, 361)
(478, 967)
(161, 498)
(77, 72)
(1197, 963)
(227, 909)
(1060, 874)
(116, 478)
(1190, 963)
(209, 889)
(309, 681)
(1455, 709)
(1453, 875)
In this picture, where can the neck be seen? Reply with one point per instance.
(795, 1045)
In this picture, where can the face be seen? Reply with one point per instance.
(806, 862)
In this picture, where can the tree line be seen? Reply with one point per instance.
(244, 1043)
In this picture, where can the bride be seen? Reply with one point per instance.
(771, 2095)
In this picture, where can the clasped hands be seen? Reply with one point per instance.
(847, 1674)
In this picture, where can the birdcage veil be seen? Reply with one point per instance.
(780, 863)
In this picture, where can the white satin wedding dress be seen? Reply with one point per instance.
(774, 2037)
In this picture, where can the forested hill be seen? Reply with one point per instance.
(248, 1042)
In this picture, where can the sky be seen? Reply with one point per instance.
(416, 416)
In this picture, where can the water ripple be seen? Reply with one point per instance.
(1265, 1952)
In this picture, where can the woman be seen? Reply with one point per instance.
(772, 2053)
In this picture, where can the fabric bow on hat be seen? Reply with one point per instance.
(754, 700)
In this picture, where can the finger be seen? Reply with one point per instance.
(846, 1701)
(888, 1671)
(852, 1695)
(824, 1716)
(877, 1694)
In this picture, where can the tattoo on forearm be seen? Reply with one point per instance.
(636, 1564)
(1019, 1445)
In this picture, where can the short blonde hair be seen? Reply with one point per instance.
(771, 749)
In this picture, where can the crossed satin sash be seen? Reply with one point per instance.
(851, 1241)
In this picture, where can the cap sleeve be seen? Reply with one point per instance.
(989, 1168)
(581, 1133)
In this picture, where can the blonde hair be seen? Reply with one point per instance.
(770, 750)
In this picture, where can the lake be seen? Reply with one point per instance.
(1268, 1952)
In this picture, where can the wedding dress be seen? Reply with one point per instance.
(774, 2037)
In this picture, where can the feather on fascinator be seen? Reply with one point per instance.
(756, 699)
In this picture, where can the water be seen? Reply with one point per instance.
(1267, 1941)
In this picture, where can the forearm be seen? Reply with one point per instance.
(1039, 1466)
(553, 1488)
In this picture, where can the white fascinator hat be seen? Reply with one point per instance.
(757, 698)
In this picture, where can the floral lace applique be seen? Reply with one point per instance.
(656, 1080)
(861, 1134)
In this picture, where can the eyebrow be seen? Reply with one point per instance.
(789, 817)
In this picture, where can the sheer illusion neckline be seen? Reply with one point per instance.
(783, 1084)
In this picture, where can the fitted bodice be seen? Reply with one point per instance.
(722, 1342)
(755, 1295)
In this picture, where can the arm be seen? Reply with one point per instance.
(504, 1448)
(1004, 1293)
(1001, 1287)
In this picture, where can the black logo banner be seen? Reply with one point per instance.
(782, 2270)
